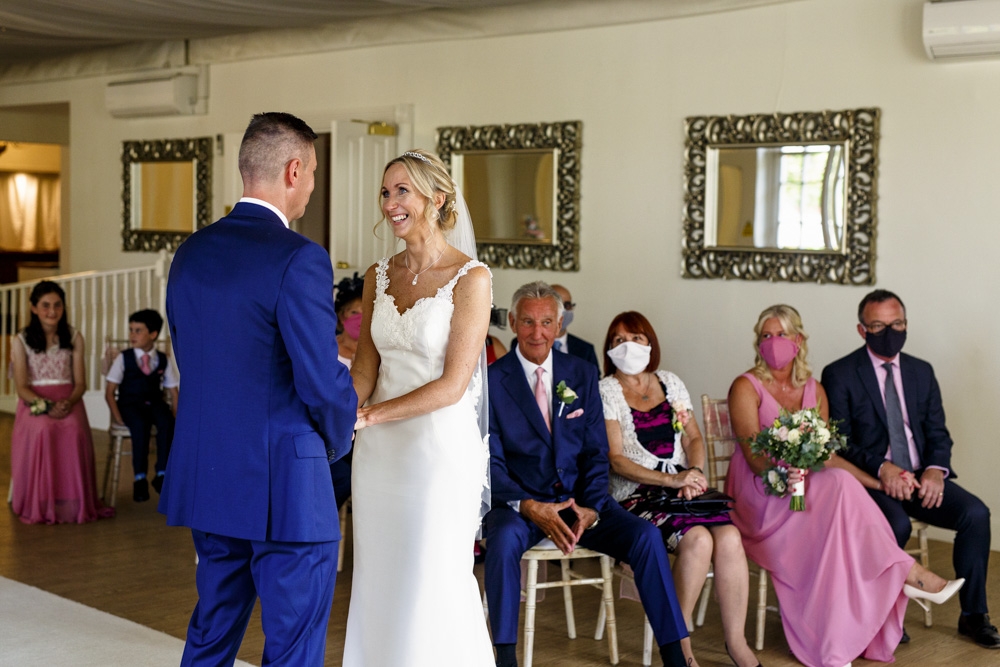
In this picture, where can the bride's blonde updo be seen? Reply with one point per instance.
(429, 176)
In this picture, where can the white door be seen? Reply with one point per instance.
(355, 180)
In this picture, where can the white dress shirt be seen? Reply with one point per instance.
(117, 371)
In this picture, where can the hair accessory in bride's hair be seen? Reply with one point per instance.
(418, 156)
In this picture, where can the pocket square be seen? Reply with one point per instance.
(575, 414)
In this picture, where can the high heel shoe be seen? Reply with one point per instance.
(726, 644)
(940, 597)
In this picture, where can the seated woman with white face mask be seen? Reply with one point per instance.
(655, 447)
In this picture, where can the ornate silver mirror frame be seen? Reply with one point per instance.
(135, 154)
(563, 254)
(853, 263)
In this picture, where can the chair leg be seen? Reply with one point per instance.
(647, 643)
(761, 608)
(486, 606)
(602, 620)
(568, 600)
(706, 592)
(343, 536)
(609, 604)
(925, 560)
(109, 460)
(115, 470)
(529, 612)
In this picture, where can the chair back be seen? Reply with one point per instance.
(720, 441)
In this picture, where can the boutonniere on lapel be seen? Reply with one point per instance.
(565, 395)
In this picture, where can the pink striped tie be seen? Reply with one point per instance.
(541, 398)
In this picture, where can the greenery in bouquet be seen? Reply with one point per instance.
(796, 440)
(39, 406)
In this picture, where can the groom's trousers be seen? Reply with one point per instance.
(294, 581)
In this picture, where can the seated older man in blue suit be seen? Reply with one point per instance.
(549, 466)
(266, 408)
(889, 406)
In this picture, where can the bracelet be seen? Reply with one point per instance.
(697, 468)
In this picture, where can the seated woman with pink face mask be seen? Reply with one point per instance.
(347, 303)
(841, 581)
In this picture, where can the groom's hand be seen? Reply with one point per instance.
(546, 516)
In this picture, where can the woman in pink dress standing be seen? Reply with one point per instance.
(841, 581)
(52, 452)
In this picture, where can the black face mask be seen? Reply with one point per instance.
(886, 344)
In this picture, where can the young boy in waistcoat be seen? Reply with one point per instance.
(140, 374)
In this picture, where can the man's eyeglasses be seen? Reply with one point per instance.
(878, 327)
(569, 305)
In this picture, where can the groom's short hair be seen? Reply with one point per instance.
(536, 290)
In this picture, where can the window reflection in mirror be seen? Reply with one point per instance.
(163, 196)
(510, 194)
(780, 197)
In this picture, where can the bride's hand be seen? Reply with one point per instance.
(364, 419)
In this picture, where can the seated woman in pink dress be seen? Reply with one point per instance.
(841, 581)
(52, 453)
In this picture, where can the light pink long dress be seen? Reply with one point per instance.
(52, 460)
(837, 571)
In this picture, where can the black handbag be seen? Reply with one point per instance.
(712, 501)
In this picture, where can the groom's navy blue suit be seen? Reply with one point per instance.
(528, 462)
(265, 407)
(856, 402)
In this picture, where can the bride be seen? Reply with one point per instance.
(420, 460)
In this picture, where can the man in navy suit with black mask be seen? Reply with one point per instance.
(889, 407)
(549, 467)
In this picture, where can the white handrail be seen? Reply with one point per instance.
(98, 304)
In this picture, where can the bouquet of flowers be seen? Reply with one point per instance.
(796, 440)
(39, 406)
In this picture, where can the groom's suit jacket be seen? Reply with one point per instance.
(526, 461)
(264, 402)
(856, 402)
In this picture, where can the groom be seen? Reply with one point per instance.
(266, 408)
(549, 467)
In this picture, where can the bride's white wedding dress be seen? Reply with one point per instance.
(417, 485)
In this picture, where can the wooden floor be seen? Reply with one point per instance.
(135, 567)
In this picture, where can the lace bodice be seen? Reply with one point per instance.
(412, 344)
(54, 366)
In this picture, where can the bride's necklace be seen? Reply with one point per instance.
(645, 390)
(406, 261)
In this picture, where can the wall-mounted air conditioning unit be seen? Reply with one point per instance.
(170, 94)
(962, 29)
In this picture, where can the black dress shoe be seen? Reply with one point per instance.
(140, 490)
(905, 639)
(157, 483)
(978, 627)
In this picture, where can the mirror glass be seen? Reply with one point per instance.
(510, 194)
(166, 191)
(787, 197)
(163, 196)
(782, 196)
(522, 185)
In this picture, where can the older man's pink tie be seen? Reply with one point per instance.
(540, 396)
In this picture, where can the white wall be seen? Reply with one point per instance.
(632, 86)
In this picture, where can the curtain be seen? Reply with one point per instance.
(29, 212)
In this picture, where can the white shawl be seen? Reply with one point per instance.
(617, 409)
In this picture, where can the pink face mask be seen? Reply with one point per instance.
(777, 352)
(352, 326)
